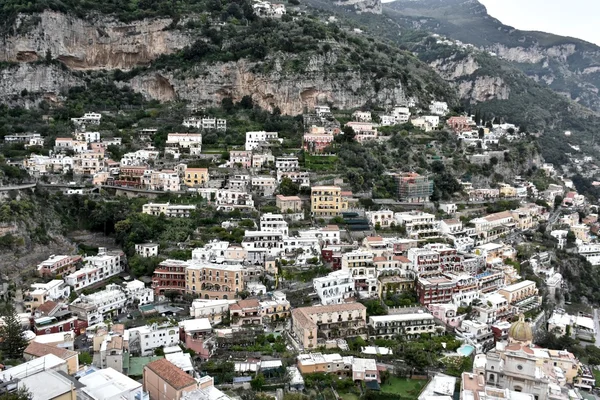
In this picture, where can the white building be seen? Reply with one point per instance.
(88, 137)
(53, 290)
(97, 269)
(88, 119)
(95, 306)
(109, 384)
(207, 123)
(138, 293)
(145, 339)
(409, 325)
(384, 218)
(273, 223)
(256, 139)
(139, 157)
(439, 108)
(334, 288)
(189, 141)
(419, 225)
(214, 310)
(147, 249)
(169, 210)
(286, 164)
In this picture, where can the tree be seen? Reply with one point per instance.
(171, 295)
(13, 343)
(227, 104)
(85, 358)
(22, 394)
(557, 201)
(288, 188)
(258, 382)
(246, 103)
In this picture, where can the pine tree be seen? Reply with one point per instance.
(13, 343)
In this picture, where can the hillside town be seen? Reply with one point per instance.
(322, 294)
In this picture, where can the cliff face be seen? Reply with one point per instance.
(291, 92)
(372, 6)
(85, 45)
(45, 80)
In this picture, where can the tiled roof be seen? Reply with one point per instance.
(47, 308)
(171, 374)
(40, 349)
(332, 308)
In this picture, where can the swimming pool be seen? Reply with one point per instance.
(465, 350)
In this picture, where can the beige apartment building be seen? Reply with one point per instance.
(327, 201)
(163, 380)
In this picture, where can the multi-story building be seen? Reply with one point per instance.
(257, 139)
(207, 123)
(477, 333)
(408, 325)
(213, 310)
(240, 158)
(264, 185)
(97, 269)
(227, 199)
(167, 180)
(43, 292)
(357, 369)
(273, 223)
(93, 307)
(245, 312)
(492, 308)
(381, 218)
(60, 321)
(414, 188)
(424, 260)
(138, 293)
(214, 281)
(169, 210)
(287, 164)
(316, 142)
(334, 288)
(89, 118)
(361, 267)
(147, 249)
(267, 243)
(493, 226)
(275, 309)
(188, 141)
(327, 201)
(300, 178)
(419, 225)
(59, 265)
(523, 295)
(435, 288)
(145, 339)
(170, 275)
(288, 203)
(164, 380)
(328, 322)
(195, 177)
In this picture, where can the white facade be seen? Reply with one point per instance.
(286, 164)
(211, 309)
(264, 185)
(384, 218)
(89, 137)
(145, 339)
(97, 269)
(88, 119)
(334, 288)
(273, 223)
(54, 290)
(255, 139)
(96, 305)
(439, 108)
(137, 292)
(147, 249)
(208, 123)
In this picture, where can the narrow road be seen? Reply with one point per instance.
(597, 327)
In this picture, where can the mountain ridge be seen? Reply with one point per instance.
(569, 66)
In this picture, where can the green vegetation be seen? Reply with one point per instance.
(404, 387)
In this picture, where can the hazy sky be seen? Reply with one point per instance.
(576, 18)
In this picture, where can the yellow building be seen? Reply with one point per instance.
(196, 177)
(507, 190)
(327, 201)
(214, 281)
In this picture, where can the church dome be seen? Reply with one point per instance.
(520, 331)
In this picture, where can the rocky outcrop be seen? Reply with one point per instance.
(451, 68)
(371, 6)
(85, 45)
(483, 88)
(46, 80)
(291, 92)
